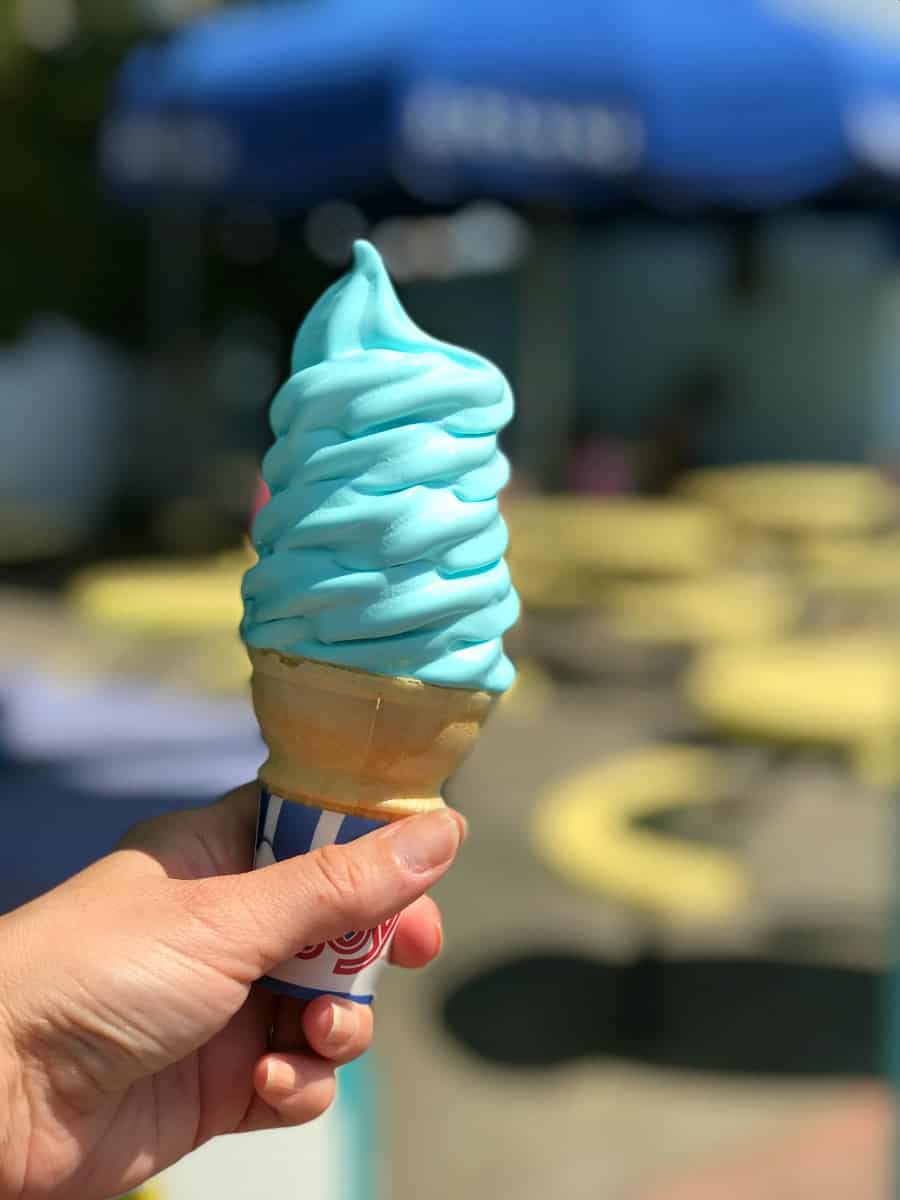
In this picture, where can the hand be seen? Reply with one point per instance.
(130, 1032)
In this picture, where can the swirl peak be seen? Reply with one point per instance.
(368, 261)
(360, 312)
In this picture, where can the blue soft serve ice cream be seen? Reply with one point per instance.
(382, 546)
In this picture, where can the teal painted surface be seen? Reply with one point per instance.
(812, 355)
(892, 996)
(360, 1119)
(801, 353)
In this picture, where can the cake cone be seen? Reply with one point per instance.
(349, 741)
(349, 750)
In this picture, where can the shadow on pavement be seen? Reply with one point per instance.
(728, 1015)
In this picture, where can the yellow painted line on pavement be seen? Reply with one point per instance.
(584, 828)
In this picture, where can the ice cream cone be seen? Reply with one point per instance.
(382, 545)
(353, 742)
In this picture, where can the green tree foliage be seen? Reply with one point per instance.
(63, 245)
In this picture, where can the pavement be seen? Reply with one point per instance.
(843, 1151)
(564, 1047)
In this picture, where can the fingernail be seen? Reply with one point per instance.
(343, 1025)
(438, 940)
(462, 824)
(280, 1076)
(422, 844)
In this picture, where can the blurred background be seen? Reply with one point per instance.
(669, 968)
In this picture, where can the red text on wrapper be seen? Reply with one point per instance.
(356, 950)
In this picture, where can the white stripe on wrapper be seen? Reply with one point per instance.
(328, 828)
(272, 814)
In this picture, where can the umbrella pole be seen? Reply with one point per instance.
(175, 272)
(546, 382)
(170, 465)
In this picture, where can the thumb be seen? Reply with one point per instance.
(268, 915)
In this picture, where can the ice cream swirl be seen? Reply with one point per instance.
(382, 546)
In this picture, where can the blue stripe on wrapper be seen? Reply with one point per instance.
(307, 993)
(296, 828)
(342, 966)
(353, 828)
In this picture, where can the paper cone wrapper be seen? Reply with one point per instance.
(348, 751)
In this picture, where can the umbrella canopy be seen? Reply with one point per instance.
(689, 101)
(737, 104)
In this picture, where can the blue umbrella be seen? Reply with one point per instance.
(278, 103)
(724, 103)
(575, 101)
(870, 80)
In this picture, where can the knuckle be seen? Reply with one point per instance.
(145, 833)
(210, 907)
(341, 879)
(162, 833)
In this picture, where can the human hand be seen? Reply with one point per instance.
(130, 1032)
